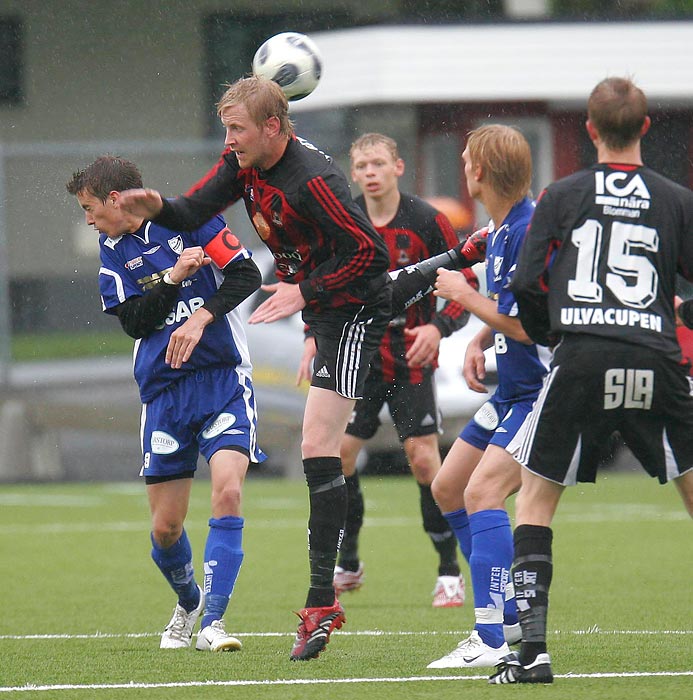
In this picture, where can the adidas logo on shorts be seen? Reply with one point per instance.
(323, 373)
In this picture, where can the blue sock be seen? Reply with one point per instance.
(459, 522)
(223, 558)
(492, 556)
(175, 563)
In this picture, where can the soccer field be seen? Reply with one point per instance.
(83, 605)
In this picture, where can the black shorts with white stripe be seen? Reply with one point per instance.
(597, 386)
(346, 340)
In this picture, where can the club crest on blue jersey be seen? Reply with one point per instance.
(176, 244)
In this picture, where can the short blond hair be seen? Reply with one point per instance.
(366, 141)
(262, 98)
(505, 157)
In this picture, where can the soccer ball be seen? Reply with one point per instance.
(293, 61)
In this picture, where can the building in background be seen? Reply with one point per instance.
(140, 79)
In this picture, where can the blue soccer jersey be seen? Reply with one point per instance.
(136, 262)
(520, 368)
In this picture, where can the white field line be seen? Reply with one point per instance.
(361, 633)
(321, 681)
(59, 528)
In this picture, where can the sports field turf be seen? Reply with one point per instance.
(82, 605)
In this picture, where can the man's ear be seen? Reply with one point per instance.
(273, 126)
(592, 131)
(399, 167)
(646, 124)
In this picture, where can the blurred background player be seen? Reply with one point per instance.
(175, 293)
(332, 266)
(402, 373)
(478, 473)
(597, 278)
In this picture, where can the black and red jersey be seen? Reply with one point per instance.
(601, 256)
(416, 232)
(303, 210)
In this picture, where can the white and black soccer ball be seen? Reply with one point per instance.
(293, 61)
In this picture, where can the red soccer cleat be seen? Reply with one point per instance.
(314, 630)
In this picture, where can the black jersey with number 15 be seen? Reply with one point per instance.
(601, 256)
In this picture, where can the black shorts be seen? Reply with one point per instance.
(346, 339)
(413, 408)
(597, 386)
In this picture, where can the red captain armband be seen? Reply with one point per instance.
(223, 248)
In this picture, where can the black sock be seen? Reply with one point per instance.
(349, 551)
(328, 503)
(532, 572)
(438, 529)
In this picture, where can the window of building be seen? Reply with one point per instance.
(11, 46)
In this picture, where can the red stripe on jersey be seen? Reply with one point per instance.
(223, 248)
(210, 174)
(336, 211)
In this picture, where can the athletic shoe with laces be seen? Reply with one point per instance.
(345, 580)
(178, 632)
(449, 592)
(471, 653)
(214, 637)
(510, 670)
(314, 630)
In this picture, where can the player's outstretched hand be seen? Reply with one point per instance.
(141, 202)
(286, 299)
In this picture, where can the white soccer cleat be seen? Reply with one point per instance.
(215, 638)
(471, 653)
(449, 592)
(178, 632)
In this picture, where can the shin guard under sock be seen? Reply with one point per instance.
(349, 551)
(532, 573)
(223, 559)
(490, 562)
(175, 563)
(328, 506)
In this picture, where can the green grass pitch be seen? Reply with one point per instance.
(83, 605)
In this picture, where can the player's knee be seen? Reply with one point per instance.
(226, 500)
(424, 461)
(442, 494)
(166, 532)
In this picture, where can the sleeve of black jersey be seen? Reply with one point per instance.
(360, 254)
(209, 196)
(241, 278)
(139, 316)
(452, 316)
(531, 277)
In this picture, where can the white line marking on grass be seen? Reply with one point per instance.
(317, 681)
(359, 633)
